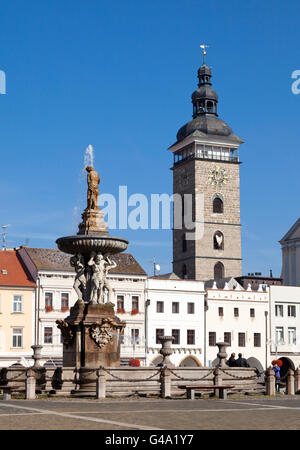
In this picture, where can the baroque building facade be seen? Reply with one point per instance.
(206, 178)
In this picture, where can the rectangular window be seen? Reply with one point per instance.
(17, 304)
(122, 340)
(279, 335)
(221, 312)
(252, 312)
(135, 304)
(292, 336)
(159, 333)
(279, 310)
(135, 336)
(227, 337)
(120, 303)
(257, 340)
(175, 307)
(191, 337)
(212, 339)
(242, 339)
(191, 308)
(48, 335)
(236, 312)
(49, 301)
(64, 301)
(17, 338)
(160, 307)
(292, 310)
(176, 336)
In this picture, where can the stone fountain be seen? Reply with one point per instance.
(91, 333)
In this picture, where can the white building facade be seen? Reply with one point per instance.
(175, 308)
(240, 317)
(285, 325)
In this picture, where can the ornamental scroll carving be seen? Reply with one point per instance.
(66, 330)
(102, 332)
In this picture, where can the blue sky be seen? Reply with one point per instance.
(119, 76)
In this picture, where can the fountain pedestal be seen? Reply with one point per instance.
(91, 338)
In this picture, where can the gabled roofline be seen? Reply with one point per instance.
(291, 230)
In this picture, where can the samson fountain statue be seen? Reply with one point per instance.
(91, 333)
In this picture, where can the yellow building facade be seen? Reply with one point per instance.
(17, 310)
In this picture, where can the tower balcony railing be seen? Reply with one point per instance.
(210, 157)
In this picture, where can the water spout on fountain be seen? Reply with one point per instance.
(89, 156)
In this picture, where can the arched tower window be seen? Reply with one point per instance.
(219, 271)
(184, 271)
(218, 241)
(218, 206)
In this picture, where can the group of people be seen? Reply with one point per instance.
(239, 362)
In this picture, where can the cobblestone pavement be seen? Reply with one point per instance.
(244, 413)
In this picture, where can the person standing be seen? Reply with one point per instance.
(241, 362)
(276, 369)
(232, 361)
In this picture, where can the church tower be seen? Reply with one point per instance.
(206, 166)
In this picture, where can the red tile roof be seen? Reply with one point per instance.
(16, 274)
(52, 259)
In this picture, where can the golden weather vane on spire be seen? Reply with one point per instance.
(204, 47)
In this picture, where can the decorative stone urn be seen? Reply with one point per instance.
(166, 350)
(222, 355)
(37, 350)
(91, 333)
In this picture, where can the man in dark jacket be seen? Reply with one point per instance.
(232, 361)
(241, 362)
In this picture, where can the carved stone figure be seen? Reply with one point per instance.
(106, 285)
(66, 330)
(93, 181)
(97, 264)
(77, 261)
(102, 332)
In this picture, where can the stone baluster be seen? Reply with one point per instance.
(165, 383)
(297, 379)
(100, 384)
(222, 355)
(217, 380)
(270, 381)
(166, 350)
(290, 382)
(37, 355)
(30, 384)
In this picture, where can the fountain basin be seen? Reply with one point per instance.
(83, 244)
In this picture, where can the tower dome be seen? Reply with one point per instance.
(205, 117)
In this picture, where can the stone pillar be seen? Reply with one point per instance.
(30, 384)
(37, 350)
(217, 380)
(100, 384)
(290, 383)
(297, 379)
(166, 350)
(270, 381)
(165, 383)
(222, 355)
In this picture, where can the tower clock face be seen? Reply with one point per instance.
(217, 176)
